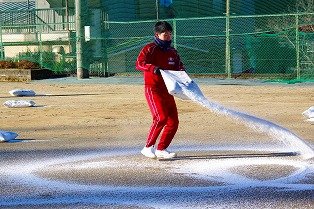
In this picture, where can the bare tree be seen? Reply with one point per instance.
(306, 6)
(287, 25)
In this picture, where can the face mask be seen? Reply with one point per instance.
(165, 45)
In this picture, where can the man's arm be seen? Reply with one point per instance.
(142, 61)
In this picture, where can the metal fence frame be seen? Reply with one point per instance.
(227, 35)
(51, 21)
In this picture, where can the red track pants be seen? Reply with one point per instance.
(165, 117)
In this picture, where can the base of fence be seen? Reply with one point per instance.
(24, 75)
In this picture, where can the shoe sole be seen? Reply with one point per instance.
(163, 157)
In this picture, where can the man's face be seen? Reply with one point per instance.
(165, 36)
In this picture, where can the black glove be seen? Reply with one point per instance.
(157, 71)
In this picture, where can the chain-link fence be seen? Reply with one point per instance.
(258, 47)
(44, 36)
(277, 46)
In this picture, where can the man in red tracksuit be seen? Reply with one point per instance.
(153, 57)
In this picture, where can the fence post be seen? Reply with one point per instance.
(105, 49)
(297, 46)
(81, 72)
(1, 45)
(157, 10)
(40, 46)
(174, 33)
(228, 70)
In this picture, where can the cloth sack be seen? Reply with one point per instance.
(309, 113)
(19, 103)
(22, 92)
(180, 85)
(174, 81)
(311, 120)
(7, 135)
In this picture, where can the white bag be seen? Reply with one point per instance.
(7, 136)
(309, 113)
(180, 85)
(22, 92)
(311, 120)
(19, 103)
(173, 79)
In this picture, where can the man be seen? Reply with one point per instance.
(153, 57)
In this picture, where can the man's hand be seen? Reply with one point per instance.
(157, 71)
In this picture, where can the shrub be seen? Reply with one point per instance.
(6, 64)
(23, 64)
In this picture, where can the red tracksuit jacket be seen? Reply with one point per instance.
(161, 104)
(152, 56)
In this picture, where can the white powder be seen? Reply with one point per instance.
(184, 87)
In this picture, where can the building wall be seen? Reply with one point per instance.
(42, 4)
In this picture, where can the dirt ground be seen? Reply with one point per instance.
(91, 114)
(111, 113)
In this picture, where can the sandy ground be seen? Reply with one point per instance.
(79, 148)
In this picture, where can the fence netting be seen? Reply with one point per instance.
(245, 38)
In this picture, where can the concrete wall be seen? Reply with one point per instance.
(42, 4)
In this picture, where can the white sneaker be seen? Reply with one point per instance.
(165, 154)
(149, 152)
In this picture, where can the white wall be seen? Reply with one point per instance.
(42, 4)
